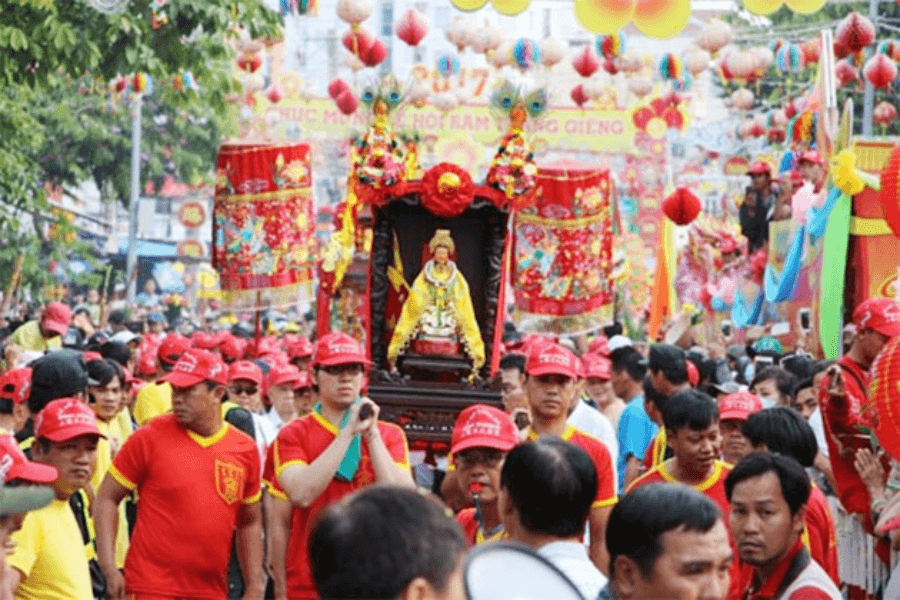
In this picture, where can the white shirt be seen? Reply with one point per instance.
(818, 427)
(572, 559)
(594, 423)
(265, 435)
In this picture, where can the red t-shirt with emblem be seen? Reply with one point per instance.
(301, 442)
(190, 490)
(606, 491)
(469, 525)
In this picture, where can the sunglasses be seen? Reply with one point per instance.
(469, 458)
(247, 391)
(352, 368)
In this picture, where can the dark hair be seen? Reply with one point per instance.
(783, 430)
(791, 475)
(655, 398)
(799, 365)
(670, 361)
(821, 365)
(513, 360)
(613, 329)
(552, 484)
(630, 360)
(103, 370)
(116, 351)
(375, 542)
(640, 518)
(784, 381)
(692, 409)
(116, 317)
(802, 385)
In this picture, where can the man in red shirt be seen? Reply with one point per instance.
(768, 495)
(197, 480)
(336, 449)
(551, 373)
(843, 396)
(481, 438)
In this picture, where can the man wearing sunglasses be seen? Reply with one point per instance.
(338, 448)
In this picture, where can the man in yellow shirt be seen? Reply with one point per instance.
(49, 560)
(46, 333)
(155, 399)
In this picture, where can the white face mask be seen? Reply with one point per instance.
(767, 402)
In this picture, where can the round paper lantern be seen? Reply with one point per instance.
(510, 8)
(552, 51)
(274, 94)
(715, 35)
(811, 50)
(376, 53)
(696, 61)
(502, 56)
(593, 88)
(670, 67)
(586, 62)
(885, 413)
(630, 63)
(249, 62)
(789, 59)
(460, 33)
(762, 7)
(604, 16)
(880, 71)
(661, 19)
(764, 59)
(640, 86)
(447, 65)
(412, 27)
(254, 83)
(610, 46)
(486, 39)
(354, 12)
(742, 98)
(756, 129)
(346, 102)
(855, 31)
(358, 41)
(578, 95)
(611, 66)
(468, 5)
(741, 64)
(336, 88)
(890, 191)
(884, 113)
(525, 53)
(845, 72)
(682, 207)
(418, 94)
(805, 7)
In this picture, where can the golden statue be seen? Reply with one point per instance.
(438, 317)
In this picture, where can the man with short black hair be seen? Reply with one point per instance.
(667, 541)
(387, 542)
(546, 492)
(635, 430)
(768, 494)
(667, 373)
(512, 380)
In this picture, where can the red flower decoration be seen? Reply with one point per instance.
(682, 206)
(448, 190)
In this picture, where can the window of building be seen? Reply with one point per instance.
(163, 206)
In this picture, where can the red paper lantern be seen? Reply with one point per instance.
(855, 31)
(336, 88)
(609, 65)
(250, 62)
(412, 27)
(274, 94)
(756, 129)
(890, 191)
(578, 95)
(845, 72)
(885, 394)
(682, 207)
(346, 102)
(358, 42)
(884, 113)
(790, 110)
(880, 71)
(586, 62)
(811, 50)
(376, 53)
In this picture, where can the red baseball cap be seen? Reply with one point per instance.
(302, 348)
(232, 348)
(597, 366)
(197, 365)
(15, 385)
(739, 405)
(338, 348)
(599, 346)
(759, 168)
(796, 178)
(246, 370)
(57, 317)
(146, 364)
(15, 465)
(281, 374)
(171, 348)
(551, 359)
(304, 381)
(811, 156)
(878, 314)
(483, 426)
(65, 419)
(203, 340)
(692, 373)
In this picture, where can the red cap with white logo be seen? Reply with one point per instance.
(552, 359)
(739, 405)
(597, 367)
(245, 370)
(338, 348)
(483, 426)
(65, 419)
(15, 465)
(878, 314)
(281, 374)
(195, 366)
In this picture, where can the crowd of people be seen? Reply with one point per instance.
(145, 464)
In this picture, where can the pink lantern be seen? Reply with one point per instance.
(855, 31)
(346, 102)
(741, 64)
(578, 95)
(764, 59)
(336, 88)
(845, 72)
(715, 35)
(376, 53)
(552, 51)
(358, 41)
(640, 86)
(884, 113)
(354, 12)
(880, 71)
(696, 61)
(274, 94)
(742, 99)
(412, 27)
(460, 33)
(586, 62)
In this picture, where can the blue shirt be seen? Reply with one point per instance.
(636, 431)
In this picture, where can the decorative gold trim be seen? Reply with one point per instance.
(567, 223)
(864, 227)
(263, 195)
